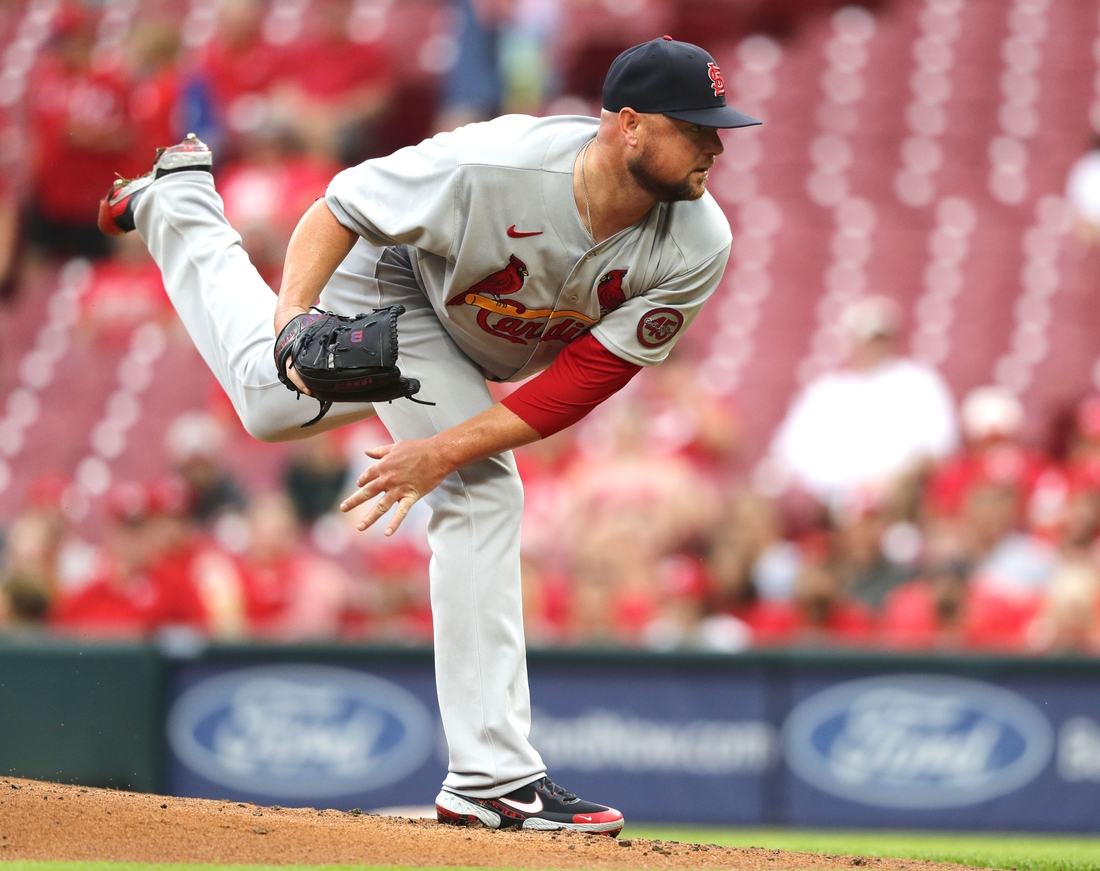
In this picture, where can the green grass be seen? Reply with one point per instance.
(1021, 852)
(987, 850)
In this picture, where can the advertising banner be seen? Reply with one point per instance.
(659, 744)
(305, 735)
(750, 744)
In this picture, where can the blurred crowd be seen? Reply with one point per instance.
(642, 528)
(286, 92)
(284, 113)
(886, 513)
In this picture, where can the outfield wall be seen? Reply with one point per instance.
(773, 738)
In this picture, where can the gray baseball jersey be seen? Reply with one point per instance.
(498, 246)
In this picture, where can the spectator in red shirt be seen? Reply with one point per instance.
(927, 612)
(820, 611)
(268, 189)
(126, 290)
(632, 507)
(290, 592)
(237, 67)
(991, 422)
(1011, 568)
(400, 596)
(83, 136)
(130, 595)
(156, 85)
(334, 88)
(188, 559)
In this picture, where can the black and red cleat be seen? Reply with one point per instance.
(116, 210)
(540, 805)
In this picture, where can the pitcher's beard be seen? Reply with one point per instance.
(663, 191)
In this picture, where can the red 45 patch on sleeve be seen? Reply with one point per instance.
(659, 326)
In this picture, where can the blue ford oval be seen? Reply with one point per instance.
(917, 741)
(300, 731)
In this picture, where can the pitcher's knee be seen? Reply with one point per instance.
(267, 431)
(274, 415)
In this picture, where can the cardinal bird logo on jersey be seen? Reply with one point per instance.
(610, 291)
(510, 319)
(503, 281)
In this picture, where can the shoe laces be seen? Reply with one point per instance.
(557, 791)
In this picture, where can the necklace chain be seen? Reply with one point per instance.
(584, 190)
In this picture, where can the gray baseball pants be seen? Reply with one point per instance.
(474, 532)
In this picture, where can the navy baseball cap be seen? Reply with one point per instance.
(667, 77)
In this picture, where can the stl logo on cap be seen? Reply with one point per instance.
(717, 82)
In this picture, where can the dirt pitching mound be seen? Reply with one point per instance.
(54, 821)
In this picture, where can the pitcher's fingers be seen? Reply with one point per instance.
(367, 476)
(378, 452)
(375, 514)
(402, 511)
(293, 375)
(369, 491)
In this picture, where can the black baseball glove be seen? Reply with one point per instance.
(345, 359)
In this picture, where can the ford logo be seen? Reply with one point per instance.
(917, 741)
(300, 731)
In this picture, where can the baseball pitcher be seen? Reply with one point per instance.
(576, 248)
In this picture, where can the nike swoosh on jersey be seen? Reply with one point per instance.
(516, 234)
(532, 807)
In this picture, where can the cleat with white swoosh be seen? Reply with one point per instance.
(542, 805)
(116, 210)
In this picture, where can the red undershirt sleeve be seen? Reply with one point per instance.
(582, 376)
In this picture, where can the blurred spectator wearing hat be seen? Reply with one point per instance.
(682, 619)
(881, 418)
(83, 134)
(130, 593)
(186, 558)
(986, 491)
(992, 418)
